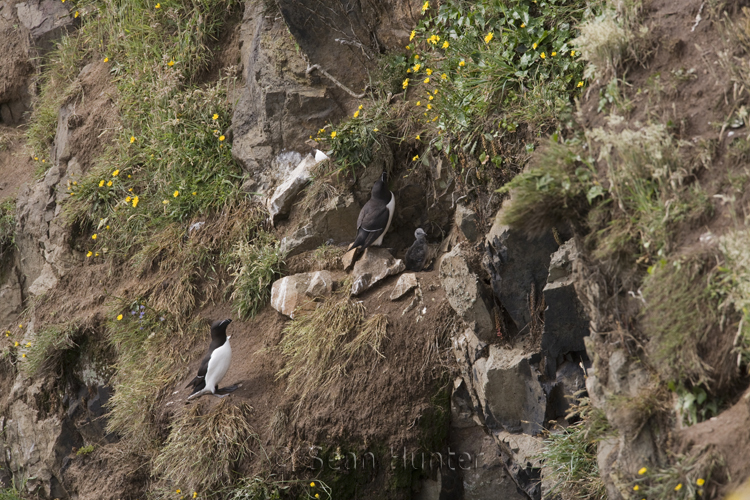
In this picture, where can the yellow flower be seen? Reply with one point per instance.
(417, 136)
(580, 84)
(116, 173)
(636, 488)
(312, 485)
(178, 491)
(194, 193)
(489, 37)
(375, 129)
(316, 495)
(216, 116)
(408, 70)
(106, 59)
(76, 14)
(221, 138)
(419, 103)
(195, 494)
(427, 80)
(356, 114)
(360, 107)
(523, 25)
(93, 236)
(428, 71)
(435, 91)
(28, 344)
(678, 487)
(444, 76)
(416, 56)
(642, 471)
(408, 47)
(553, 54)
(411, 36)
(75, 183)
(96, 254)
(430, 97)
(321, 131)
(127, 199)
(157, 6)
(101, 183)
(107, 226)
(36, 157)
(129, 174)
(176, 194)
(416, 67)
(534, 45)
(109, 184)
(132, 139)
(435, 119)
(165, 202)
(425, 7)
(23, 355)
(700, 481)
(429, 106)
(119, 317)
(20, 326)
(170, 63)
(462, 63)
(135, 202)
(572, 53)
(543, 55)
(17, 344)
(445, 44)
(333, 134)
(415, 158)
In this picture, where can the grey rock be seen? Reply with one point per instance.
(510, 392)
(517, 265)
(565, 321)
(45, 282)
(569, 380)
(466, 221)
(375, 265)
(280, 203)
(10, 294)
(45, 20)
(406, 282)
(462, 406)
(336, 220)
(321, 284)
(289, 292)
(466, 294)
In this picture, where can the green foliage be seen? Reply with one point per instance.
(561, 189)
(731, 285)
(684, 477)
(570, 455)
(85, 450)
(694, 405)
(256, 264)
(7, 226)
(205, 446)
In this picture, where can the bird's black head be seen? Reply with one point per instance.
(380, 188)
(219, 327)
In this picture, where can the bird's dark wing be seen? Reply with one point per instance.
(415, 257)
(199, 382)
(371, 223)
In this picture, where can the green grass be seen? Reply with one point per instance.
(204, 447)
(570, 455)
(731, 285)
(7, 227)
(257, 263)
(48, 348)
(319, 345)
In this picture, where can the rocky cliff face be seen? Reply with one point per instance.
(450, 378)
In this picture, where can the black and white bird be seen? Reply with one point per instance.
(215, 363)
(416, 256)
(376, 216)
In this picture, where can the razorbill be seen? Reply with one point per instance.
(215, 363)
(417, 253)
(375, 217)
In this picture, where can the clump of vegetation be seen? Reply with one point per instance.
(85, 450)
(205, 445)
(321, 344)
(680, 318)
(570, 455)
(558, 192)
(7, 227)
(151, 349)
(48, 348)
(685, 477)
(256, 264)
(731, 284)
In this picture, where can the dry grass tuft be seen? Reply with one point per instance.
(320, 345)
(205, 446)
(49, 347)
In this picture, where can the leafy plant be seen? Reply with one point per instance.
(693, 404)
(257, 264)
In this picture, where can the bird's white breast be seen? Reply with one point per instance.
(391, 206)
(218, 365)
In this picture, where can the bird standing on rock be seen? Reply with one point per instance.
(416, 256)
(215, 363)
(376, 216)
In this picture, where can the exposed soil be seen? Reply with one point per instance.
(16, 166)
